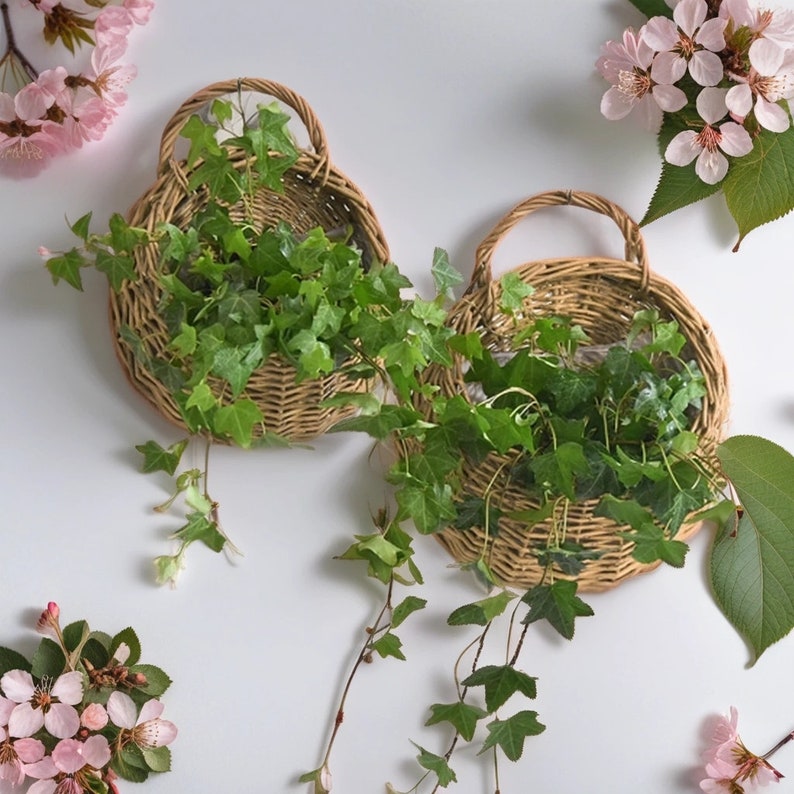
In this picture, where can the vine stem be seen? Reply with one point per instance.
(12, 50)
(785, 740)
(360, 659)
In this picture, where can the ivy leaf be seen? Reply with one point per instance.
(445, 277)
(80, 228)
(501, 682)
(406, 607)
(752, 562)
(510, 734)
(202, 139)
(67, 267)
(759, 187)
(514, 290)
(429, 505)
(117, 267)
(436, 764)
(388, 645)
(238, 421)
(201, 528)
(463, 717)
(557, 603)
(480, 613)
(157, 458)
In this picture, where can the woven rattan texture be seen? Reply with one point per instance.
(315, 194)
(601, 295)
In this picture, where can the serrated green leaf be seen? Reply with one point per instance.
(558, 604)
(157, 458)
(406, 607)
(509, 734)
(436, 764)
(752, 562)
(130, 639)
(759, 187)
(238, 421)
(678, 187)
(388, 645)
(501, 682)
(480, 613)
(12, 660)
(461, 715)
(157, 682)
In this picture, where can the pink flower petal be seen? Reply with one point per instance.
(42, 787)
(69, 688)
(689, 15)
(41, 769)
(6, 707)
(660, 33)
(766, 57)
(706, 68)
(155, 733)
(739, 100)
(68, 756)
(62, 720)
(711, 167)
(29, 751)
(683, 149)
(121, 710)
(711, 35)
(150, 710)
(25, 720)
(669, 97)
(96, 751)
(17, 685)
(735, 140)
(615, 105)
(668, 68)
(771, 116)
(711, 105)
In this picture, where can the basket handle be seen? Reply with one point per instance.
(634, 248)
(267, 87)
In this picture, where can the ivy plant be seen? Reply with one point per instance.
(234, 294)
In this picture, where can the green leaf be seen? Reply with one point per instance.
(501, 682)
(445, 277)
(480, 613)
(157, 682)
(48, 660)
(200, 528)
(238, 421)
(406, 607)
(436, 764)
(510, 734)
(759, 187)
(130, 639)
(513, 292)
(156, 458)
(752, 562)
(202, 139)
(557, 603)
(12, 660)
(653, 8)
(462, 716)
(429, 505)
(81, 226)
(388, 645)
(678, 187)
(118, 268)
(66, 267)
(158, 759)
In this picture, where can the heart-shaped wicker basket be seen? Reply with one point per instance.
(601, 295)
(315, 194)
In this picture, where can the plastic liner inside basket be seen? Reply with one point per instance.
(601, 294)
(315, 194)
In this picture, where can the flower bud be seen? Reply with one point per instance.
(94, 717)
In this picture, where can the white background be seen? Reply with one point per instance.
(446, 113)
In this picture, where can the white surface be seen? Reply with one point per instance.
(446, 112)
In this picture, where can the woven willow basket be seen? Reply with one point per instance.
(601, 295)
(315, 194)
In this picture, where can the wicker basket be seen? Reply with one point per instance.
(601, 295)
(315, 194)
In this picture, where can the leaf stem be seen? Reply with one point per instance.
(12, 51)
(785, 740)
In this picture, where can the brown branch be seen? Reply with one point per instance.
(12, 50)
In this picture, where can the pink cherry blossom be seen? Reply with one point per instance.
(146, 728)
(94, 717)
(140, 10)
(773, 31)
(15, 754)
(707, 145)
(627, 65)
(688, 41)
(71, 762)
(49, 703)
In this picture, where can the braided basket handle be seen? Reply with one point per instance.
(634, 248)
(205, 96)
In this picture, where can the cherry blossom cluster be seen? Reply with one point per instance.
(730, 767)
(59, 109)
(727, 64)
(61, 733)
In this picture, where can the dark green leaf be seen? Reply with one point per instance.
(501, 682)
(388, 645)
(130, 639)
(157, 682)
(201, 528)
(462, 716)
(157, 458)
(752, 562)
(66, 267)
(81, 226)
(48, 660)
(557, 603)
(406, 607)
(12, 660)
(510, 734)
(653, 8)
(480, 613)
(158, 759)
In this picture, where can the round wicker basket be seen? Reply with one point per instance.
(601, 295)
(315, 194)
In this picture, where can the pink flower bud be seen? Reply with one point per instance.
(94, 717)
(45, 253)
(54, 610)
